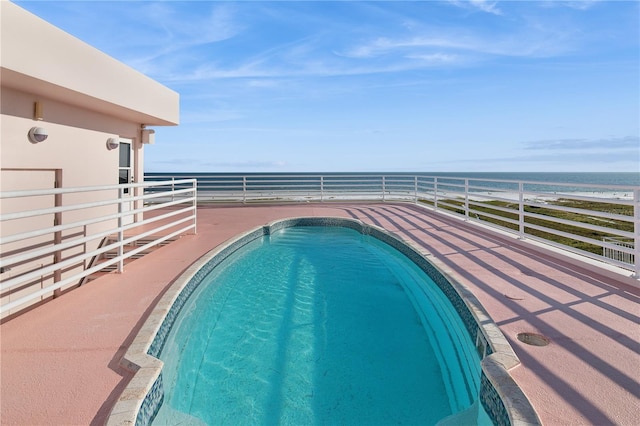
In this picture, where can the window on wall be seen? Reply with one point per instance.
(124, 165)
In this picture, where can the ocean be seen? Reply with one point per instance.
(560, 182)
(598, 178)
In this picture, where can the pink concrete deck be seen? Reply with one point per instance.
(59, 362)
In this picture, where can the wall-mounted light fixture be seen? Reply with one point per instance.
(37, 111)
(112, 143)
(38, 134)
(148, 136)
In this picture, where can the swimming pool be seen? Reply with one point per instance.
(315, 325)
(314, 320)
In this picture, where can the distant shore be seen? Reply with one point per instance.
(368, 196)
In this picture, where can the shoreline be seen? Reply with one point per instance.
(485, 196)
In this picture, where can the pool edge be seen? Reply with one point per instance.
(500, 395)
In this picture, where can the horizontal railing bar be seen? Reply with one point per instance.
(58, 228)
(155, 206)
(478, 196)
(619, 240)
(490, 198)
(143, 247)
(157, 194)
(75, 278)
(312, 184)
(563, 234)
(495, 225)
(53, 248)
(615, 216)
(152, 195)
(79, 189)
(584, 225)
(570, 196)
(82, 206)
(475, 188)
(492, 207)
(453, 206)
(280, 188)
(205, 185)
(580, 252)
(31, 234)
(76, 259)
(212, 192)
(63, 246)
(161, 217)
(136, 237)
(7, 284)
(442, 186)
(493, 216)
(576, 185)
(53, 210)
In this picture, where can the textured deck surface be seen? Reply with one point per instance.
(59, 361)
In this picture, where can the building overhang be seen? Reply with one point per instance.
(43, 60)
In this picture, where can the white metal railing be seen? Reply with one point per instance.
(39, 259)
(530, 209)
(616, 253)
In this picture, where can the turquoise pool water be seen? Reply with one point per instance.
(317, 325)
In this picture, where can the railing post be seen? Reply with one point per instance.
(636, 228)
(173, 188)
(435, 193)
(415, 188)
(321, 189)
(521, 210)
(383, 189)
(244, 189)
(466, 199)
(120, 230)
(195, 206)
(57, 236)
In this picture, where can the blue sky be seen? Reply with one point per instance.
(424, 86)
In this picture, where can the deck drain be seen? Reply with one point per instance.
(533, 339)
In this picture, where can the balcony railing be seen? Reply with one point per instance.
(617, 254)
(586, 219)
(53, 239)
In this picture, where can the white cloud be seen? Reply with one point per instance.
(171, 32)
(173, 45)
(386, 45)
(486, 6)
(573, 4)
(435, 58)
(482, 5)
(531, 42)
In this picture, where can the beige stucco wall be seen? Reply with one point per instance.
(86, 97)
(76, 142)
(76, 146)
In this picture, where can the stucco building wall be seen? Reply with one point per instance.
(85, 97)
